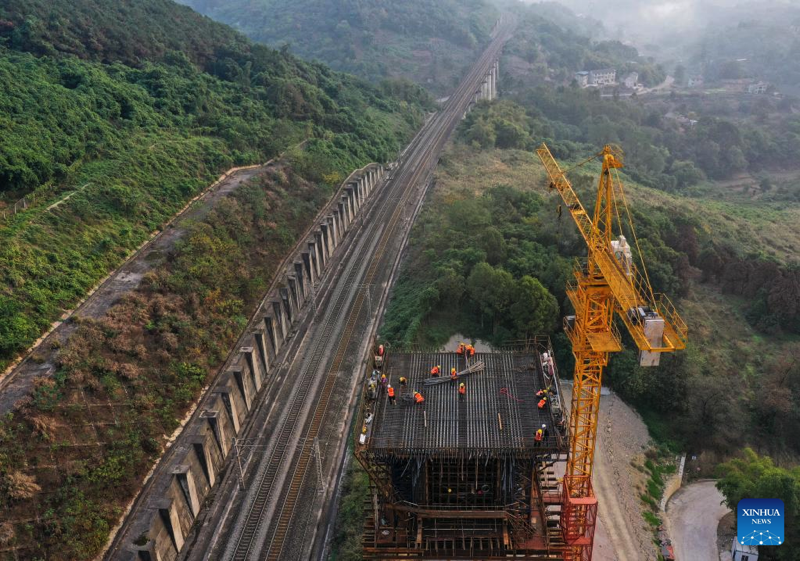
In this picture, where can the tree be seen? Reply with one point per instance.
(686, 173)
(535, 310)
(492, 290)
(756, 477)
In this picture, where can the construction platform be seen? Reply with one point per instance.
(463, 478)
(498, 416)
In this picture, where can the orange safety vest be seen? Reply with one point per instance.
(462, 390)
(471, 351)
(460, 349)
(453, 373)
(542, 402)
(435, 371)
(391, 392)
(538, 436)
(418, 397)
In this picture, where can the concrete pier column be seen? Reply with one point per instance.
(295, 292)
(280, 318)
(254, 365)
(168, 510)
(218, 425)
(273, 332)
(300, 275)
(348, 209)
(312, 249)
(327, 238)
(206, 448)
(288, 307)
(147, 552)
(341, 213)
(337, 217)
(334, 229)
(260, 337)
(351, 196)
(185, 478)
(311, 274)
(244, 381)
(362, 190)
(321, 252)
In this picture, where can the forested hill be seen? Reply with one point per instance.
(430, 41)
(125, 110)
(126, 31)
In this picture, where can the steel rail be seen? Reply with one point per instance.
(429, 142)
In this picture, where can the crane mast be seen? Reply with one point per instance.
(606, 283)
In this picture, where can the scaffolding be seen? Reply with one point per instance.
(463, 476)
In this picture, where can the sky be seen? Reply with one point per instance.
(663, 21)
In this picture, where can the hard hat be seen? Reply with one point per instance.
(544, 426)
(390, 385)
(461, 384)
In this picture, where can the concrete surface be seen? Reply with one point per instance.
(693, 514)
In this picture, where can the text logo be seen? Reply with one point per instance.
(760, 522)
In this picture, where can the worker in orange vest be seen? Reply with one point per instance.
(542, 402)
(390, 391)
(537, 440)
(418, 397)
(453, 374)
(462, 391)
(543, 392)
(470, 350)
(460, 349)
(435, 371)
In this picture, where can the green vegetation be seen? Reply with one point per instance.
(75, 451)
(349, 529)
(429, 42)
(125, 142)
(754, 476)
(479, 261)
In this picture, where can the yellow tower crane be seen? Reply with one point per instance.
(607, 282)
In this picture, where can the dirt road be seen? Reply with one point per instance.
(693, 514)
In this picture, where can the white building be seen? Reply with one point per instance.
(631, 80)
(741, 552)
(757, 88)
(602, 77)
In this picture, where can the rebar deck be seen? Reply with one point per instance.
(498, 416)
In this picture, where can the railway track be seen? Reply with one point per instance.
(377, 235)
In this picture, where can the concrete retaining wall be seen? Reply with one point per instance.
(159, 527)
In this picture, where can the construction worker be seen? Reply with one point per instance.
(435, 371)
(460, 349)
(537, 439)
(470, 351)
(453, 374)
(418, 397)
(544, 392)
(381, 350)
(384, 381)
(543, 402)
(390, 392)
(462, 391)
(544, 431)
(403, 381)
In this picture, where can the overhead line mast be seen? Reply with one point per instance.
(606, 283)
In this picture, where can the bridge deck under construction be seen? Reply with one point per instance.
(498, 416)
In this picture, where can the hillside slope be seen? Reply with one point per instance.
(425, 40)
(124, 121)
